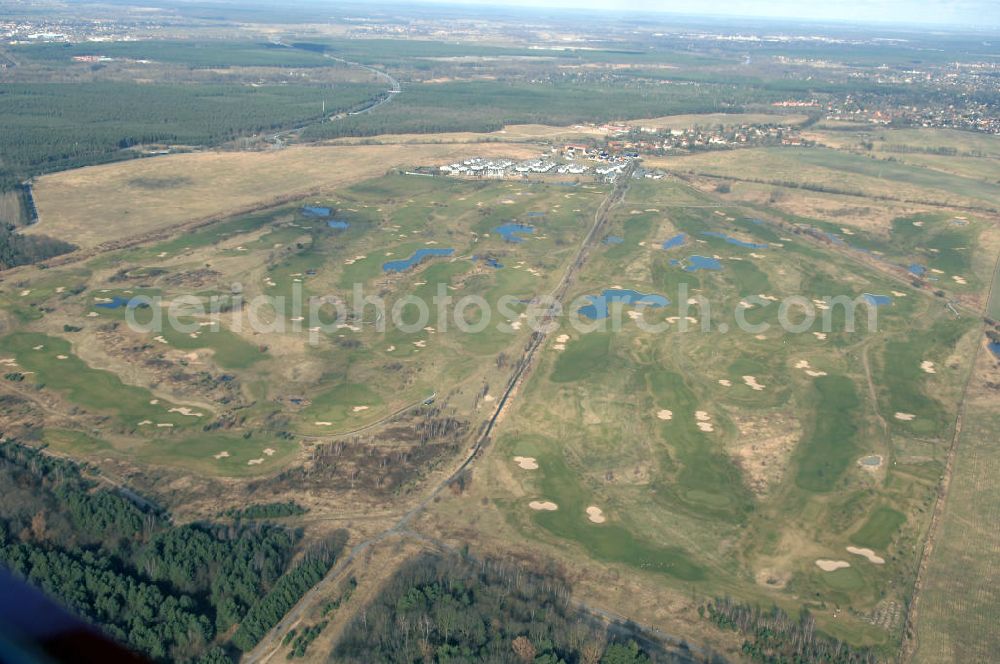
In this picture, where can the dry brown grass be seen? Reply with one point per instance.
(89, 206)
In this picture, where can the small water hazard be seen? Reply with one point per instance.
(339, 224)
(316, 211)
(598, 307)
(732, 240)
(117, 302)
(695, 263)
(418, 257)
(512, 231)
(877, 300)
(675, 241)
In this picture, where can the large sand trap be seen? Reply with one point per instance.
(527, 463)
(725, 382)
(184, 410)
(927, 367)
(752, 383)
(832, 565)
(867, 553)
(905, 417)
(596, 514)
(544, 505)
(665, 414)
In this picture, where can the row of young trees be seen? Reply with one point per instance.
(18, 249)
(171, 592)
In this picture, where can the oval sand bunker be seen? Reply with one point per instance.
(665, 414)
(832, 565)
(544, 505)
(867, 553)
(596, 514)
(526, 463)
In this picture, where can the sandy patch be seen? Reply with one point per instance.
(420, 344)
(867, 553)
(706, 427)
(526, 463)
(751, 382)
(832, 565)
(323, 424)
(269, 451)
(165, 425)
(184, 410)
(927, 367)
(905, 417)
(221, 455)
(702, 416)
(358, 409)
(559, 346)
(255, 462)
(596, 514)
(820, 335)
(959, 280)
(897, 293)
(725, 382)
(62, 357)
(665, 414)
(562, 338)
(489, 397)
(543, 505)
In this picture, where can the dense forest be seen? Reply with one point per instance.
(17, 249)
(450, 609)
(55, 126)
(172, 592)
(774, 637)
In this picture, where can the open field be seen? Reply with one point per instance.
(113, 202)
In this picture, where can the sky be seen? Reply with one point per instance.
(944, 13)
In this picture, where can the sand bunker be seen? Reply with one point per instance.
(665, 414)
(927, 367)
(323, 424)
(255, 462)
(62, 357)
(489, 397)
(751, 382)
(867, 553)
(905, 417)
(221, 455)
(543, 505)
(959, 280)
(165, 425)
(596, 514)
(702, 416)
(184, 410)
(725, 382)
(832, 565)
(526, 463)
(819, 335)
(562, 338)
(358, 409)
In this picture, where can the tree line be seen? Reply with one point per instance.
(172, 592)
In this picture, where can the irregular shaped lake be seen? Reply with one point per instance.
(418, 256)
(598, 307)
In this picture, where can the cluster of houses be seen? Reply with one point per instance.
(505, 168)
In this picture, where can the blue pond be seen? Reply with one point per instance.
(418, 256)
(675, 241)
(614, 239)
(994, 347)
(696, 263)
(510, 231)
(339, 224)
(917, 269)
(877, 300)
(116, 303)
(491, 262)
(598, 307)
(311, 211)
(733, 240)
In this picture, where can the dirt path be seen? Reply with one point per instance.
(271, 643)
(910, 636)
